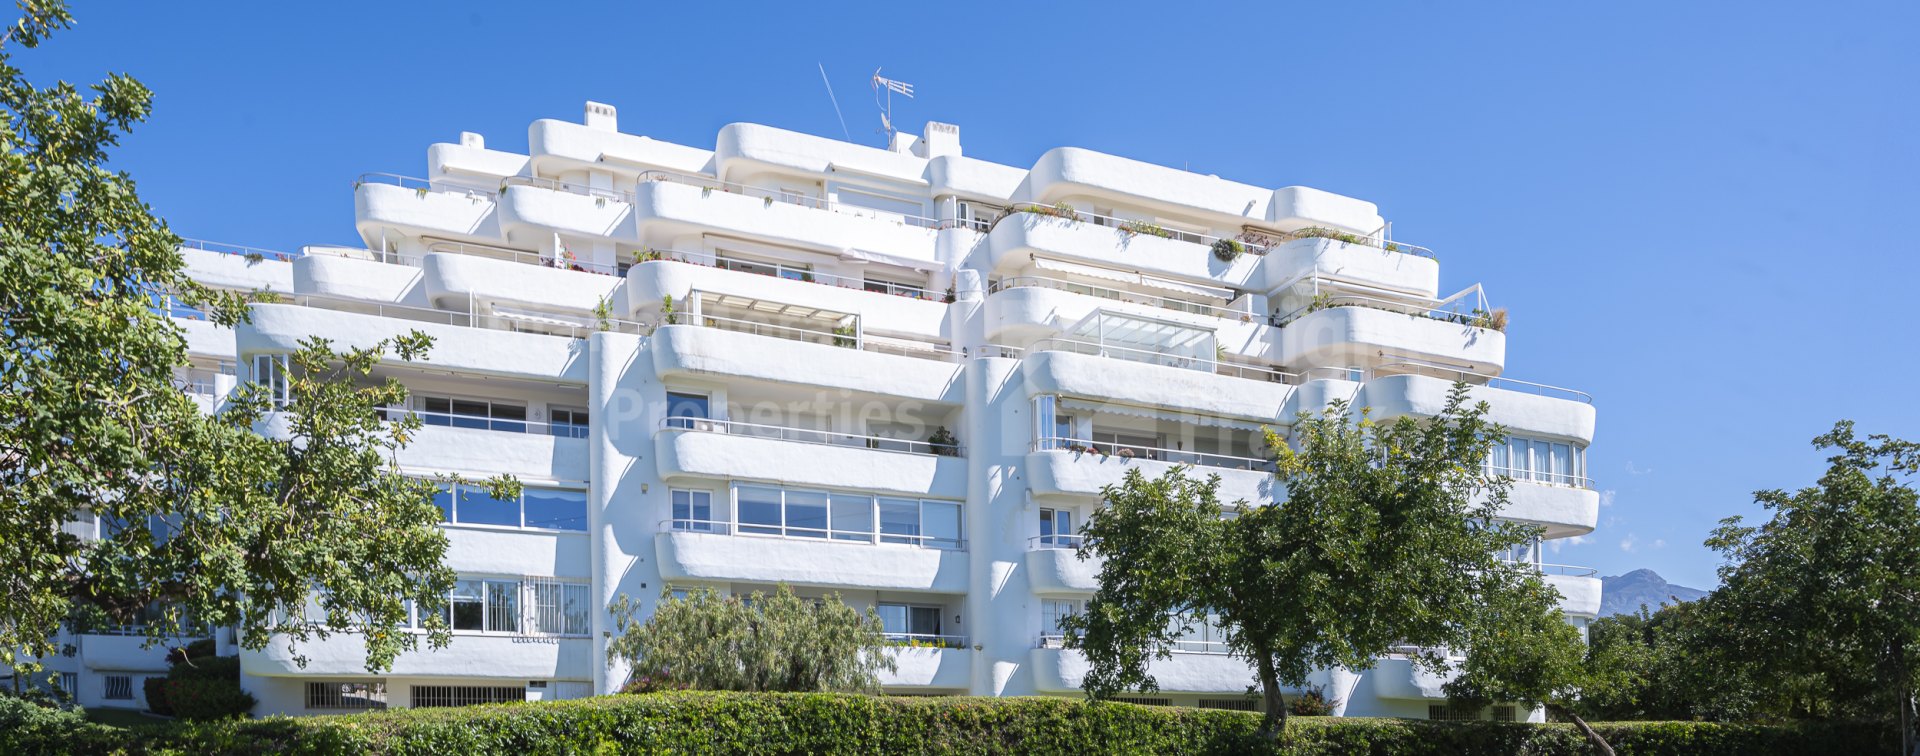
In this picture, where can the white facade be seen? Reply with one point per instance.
(831, 307)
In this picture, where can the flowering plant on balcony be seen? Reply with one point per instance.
(944, 443)
(1147, 228)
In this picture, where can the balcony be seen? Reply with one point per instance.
(718, 551)
(799, 456)
(903, 310)
(124, 652)
(1142, 378)
(455, 277)
(1396, 677)
(1054, 566)
(359, 274)
(670, 204)
(524, 448)
(1017, 239)
(1078, 468)
(1579, 589)
(770, 353)
(1364, 261)
(417, 206)
(936, 668)
(1203, 669)
(1564, 510)
(1348, 333)
(1420, 390)
(458, 345)
(471, 655)
(538, 206)
(237, 268)
(1025, 308)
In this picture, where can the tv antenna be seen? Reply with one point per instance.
(834, 100)
(886, 109)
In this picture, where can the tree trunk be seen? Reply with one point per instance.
(1275, 721)
(1585, 729)
(1909, 739)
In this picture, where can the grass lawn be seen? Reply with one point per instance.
(121, 717)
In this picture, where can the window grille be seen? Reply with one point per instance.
(1445, 713)
(429, 696)
(348, 696)
(558, 608)
(1232, 704)
(119, 688)
(1142, 701)
(1505, 714)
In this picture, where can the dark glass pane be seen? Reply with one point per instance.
(759, 510)
(556, 509)
(477, 507)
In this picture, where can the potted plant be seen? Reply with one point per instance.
(944, 443)
(1227, 250)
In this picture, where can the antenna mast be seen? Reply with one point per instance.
(886, 108)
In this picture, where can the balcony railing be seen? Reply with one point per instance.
(478, 422)
(1434, 370)
(1119, 295)
(520, 323)
(1046, 542)
(1466, 307)
(1220, 648)
(925, 640)
(1565, 570)
(1253, 241)
(792, 198)
(570, 188)
(809, 436)
(423, 186)
(923, 350)
(252, 253)
(1175, 456)
(795, 532)
(1207, 364)
(1526, 475)
(790, 273)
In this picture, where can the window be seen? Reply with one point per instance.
(1449, 713)
(683, 409)
(270, 370)
(840, 516)
(692, 510)
(69, 683)
(850, 199)
(896, 288)
(554, 509)
(503, 606)
(909, 621)
(1244, 703)
(1539, 461)
(549, 508)
(479, 414)
(465, 605)
(118, 688)
(1056, 529)
(1505, 713)
(1053, 611)
(567, 422)
(360, 695)
(559, 608)
(787, 270)
(1143, 701)
(428, 696)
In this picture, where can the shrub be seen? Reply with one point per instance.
(1313, 702)
(206, 668)
(1227, 250)
(156, 690)
(207, 698)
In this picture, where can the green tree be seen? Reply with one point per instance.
(1387, 537)
(1520, 648)
(1830, 586)
(762, 642)
(302, 532)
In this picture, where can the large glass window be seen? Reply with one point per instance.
(503, 606)
(905, 621)
(807, 514)
(555, 509)
(270, 370)
(941, 521)
(560, 608)
(692, 510)
(465, 606)
(759, 510)
(899, 520)
(549, 508)
(1540, 461)
(683, 409)
(567, 423)
(852, 517)
(1056, 528)
(1054, 611)
(478, 414)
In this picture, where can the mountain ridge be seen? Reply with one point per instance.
(1626, 593)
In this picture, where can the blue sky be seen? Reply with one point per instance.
(1697, 212)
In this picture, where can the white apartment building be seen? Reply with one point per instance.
(900, 375)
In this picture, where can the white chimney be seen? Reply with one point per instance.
(942, 139)
(470, 139)
(602, 116)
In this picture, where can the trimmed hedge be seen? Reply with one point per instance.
(777, 723)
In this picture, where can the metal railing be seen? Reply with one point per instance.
(1343, 294)
(1527, 475)
(422, 185)
(922, 350)
(782, 530)
(1204, 364)
(487, 423)
(560, 262)
(810, 436)
(1064, 542)
(776, 270)
(1119, 295)
(1446, 372)
(237, 250)
(1130, 451)
(926, 640)
(1566, 570)
(568, 187)
(1057, 640)
(1135, 227)
(469, 319)
(793, 198)
(1001, 351)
